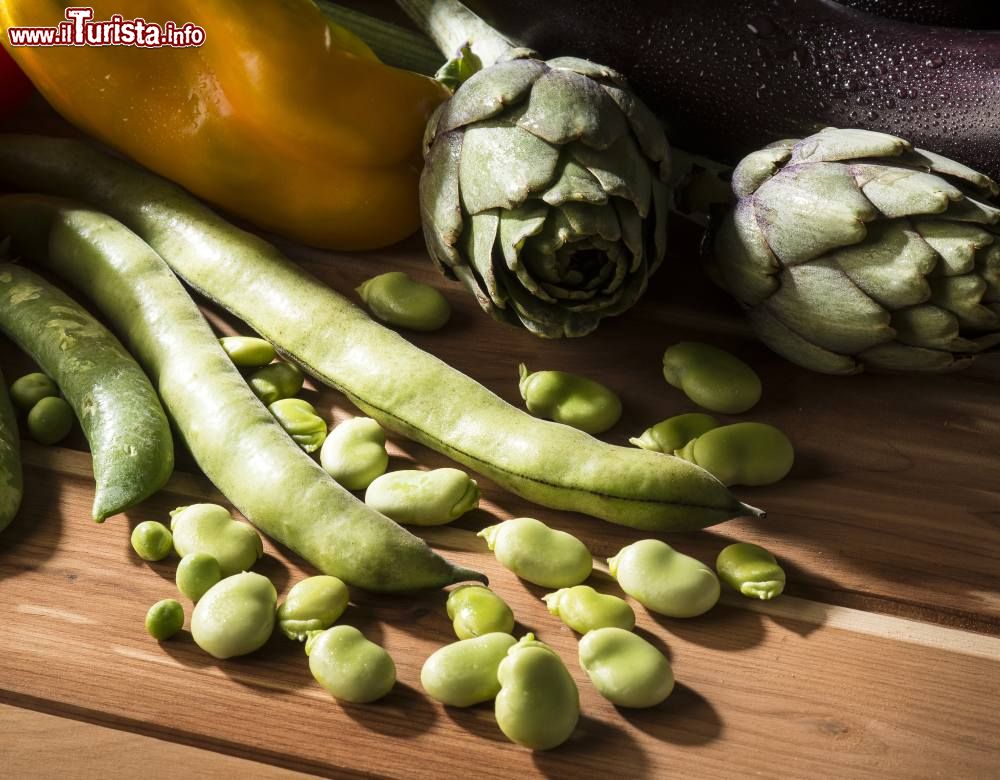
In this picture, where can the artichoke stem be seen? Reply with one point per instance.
(451, 26)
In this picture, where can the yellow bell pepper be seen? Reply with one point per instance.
(280, 117)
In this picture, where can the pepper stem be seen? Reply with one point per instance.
(451, 26)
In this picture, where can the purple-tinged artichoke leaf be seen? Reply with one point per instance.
(565, 107)
(501, 165)
(797, 348)
(549, 320)
(901, 192)
(948, 167)
(927, 326)
(489, 93)
(480, 238)
(516, 227)
(988, 267)
(440, 203)
(631, 224)
(962, 296)
(972, 210)
(621, 169)
(645, 126)
(901, 357)
(823, 196)
(741, 260)
(578, 220)
(574, 183)
(757, 167)
(891, 266)
(587, 68)
(431, 129)
(834, 144)
(957, 243)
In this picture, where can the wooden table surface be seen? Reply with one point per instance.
(882, 660)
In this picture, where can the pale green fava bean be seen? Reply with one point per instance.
(164, 619)
(664, 580)
(196, 574)
(354, 453)
(625, 668)
(674, 432)
(313, 604)
(413, 497)
(465, 672)
(275, 381)
(300, 419)
(30, 389)
(751, 570)
(152, 541)
(584, 609)
(747, 453)
(711, 377)
(209, 528)
(397, 299)
(539, 704)
(50, 420)
(539, 554)
(475, 610)
(235, 616)
(248, 351)
(349, 666)
(570, 399)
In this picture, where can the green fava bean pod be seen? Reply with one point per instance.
(350, 666)
(275, 381)
(569, 399)
(235, 616)
(121, 416)
(751, 570)
(584, 609)
(539, 554)
(664, 580)
(164, 619)
(539, 704)
(209, 528)
(475, 610)
(747, 453)
(152, 541)
(397, 299)
(313, 604)
(11, 475)
(465, 672)
(301, 422)
(50, 421)
(30, 389)
(196, 574)
(354, 453)
(674, 432)
(626, 669)
(235, 441)
(413, 497)
(248, 351)
(711, 377)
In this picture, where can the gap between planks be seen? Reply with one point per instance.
(915, 632)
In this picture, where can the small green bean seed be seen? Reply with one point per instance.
(30, 389)
(354, 453)
(751, 570)
(50, 420)
(539, 554)
(465, 672)
(209, 528)
(349, 666)
(625, 668)
(300, 420)
(248, 351)
(152, 541)
(397, 299)
(538, 705)
(711, 377)
(413, 497)
(313, 604)
(164, 619)
(475, 610)
(569, 399)
(584, 609)
(275, 381)
(196, 573)
(747, 453)
(235, 616)
(673, 433)
(664, 580)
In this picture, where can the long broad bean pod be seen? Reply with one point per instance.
(11, 484)
(133, 452)
(403, 388)
(231, 435)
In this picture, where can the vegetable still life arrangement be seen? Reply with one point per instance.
(543, 187)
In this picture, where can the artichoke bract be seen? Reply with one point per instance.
(851, 249)
(543, 190)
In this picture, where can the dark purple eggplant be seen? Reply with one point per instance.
(730, 76)
(970, 14)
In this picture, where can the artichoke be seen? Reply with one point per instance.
(851, 249)
(543, 188)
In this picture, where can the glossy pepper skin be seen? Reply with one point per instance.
(280, 117)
